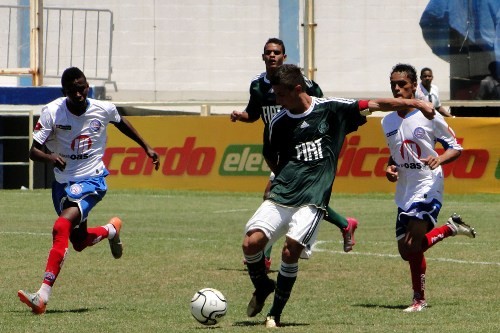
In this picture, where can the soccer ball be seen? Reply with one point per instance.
(208, 306)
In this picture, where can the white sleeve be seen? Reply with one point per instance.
(445, 134)
(43, 127)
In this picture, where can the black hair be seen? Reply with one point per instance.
(275, 41)
(406, 68)
(70, 75)
(425, 69)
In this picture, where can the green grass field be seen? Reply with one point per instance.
(179, 242)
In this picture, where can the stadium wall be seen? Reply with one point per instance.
(211, 153)
(211, 49)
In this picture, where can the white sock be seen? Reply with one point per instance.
(44, 292)
(111, 230)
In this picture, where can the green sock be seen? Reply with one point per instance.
(334, 218)
(267, 254)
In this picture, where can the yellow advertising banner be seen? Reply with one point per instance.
(212, 153)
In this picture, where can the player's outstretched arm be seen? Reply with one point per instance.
(126, 128)
(401, 104)
(448, 156)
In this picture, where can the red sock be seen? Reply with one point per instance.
(418, 266)
(435, 235)
(94, 236)
(60, 235)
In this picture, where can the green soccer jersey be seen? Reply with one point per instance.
(262, 101)
(307, 147)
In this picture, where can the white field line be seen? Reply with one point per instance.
(315, 248)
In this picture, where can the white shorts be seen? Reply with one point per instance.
(298, 223)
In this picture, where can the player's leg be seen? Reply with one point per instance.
(410, 248)
(263, 226)
(267, 253)
(302, 233)
(86, 195)
(347, 226)
(68, 216)
(60, 235)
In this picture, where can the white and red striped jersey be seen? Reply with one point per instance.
(80, 140)
(410, 139)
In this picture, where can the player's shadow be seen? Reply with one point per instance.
(383, 306)
(81, 310)
(248, 323)
(242, 270)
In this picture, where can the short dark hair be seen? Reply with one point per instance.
(288, 75)
(406, 68)
(70, 75)
(275, 41)
(425, 69)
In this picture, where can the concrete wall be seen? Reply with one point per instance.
(167, 50)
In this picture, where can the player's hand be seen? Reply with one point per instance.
(432, 161)
(427, 109)
(58, 161)
(235, 116)
(154, 156)
(391, 173)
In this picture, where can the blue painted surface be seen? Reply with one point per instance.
(289, 29)
(24, 43)
(32, 95)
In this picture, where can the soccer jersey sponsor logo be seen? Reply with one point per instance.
(81, 143)
(309, 151)
(268, 112)
(64, 127)
(391, 133)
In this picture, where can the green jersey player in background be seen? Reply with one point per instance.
(262, 104)
(301, 146)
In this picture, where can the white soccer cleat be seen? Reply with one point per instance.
(33, 300)
(272, 322)
(417, 306)
(458, 226)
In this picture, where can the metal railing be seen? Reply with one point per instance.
(66, 29)
(80, 37)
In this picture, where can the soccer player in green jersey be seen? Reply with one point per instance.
(262, 104)
(301, 146)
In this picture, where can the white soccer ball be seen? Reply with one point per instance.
(208, 306)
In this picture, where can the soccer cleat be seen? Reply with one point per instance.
(416, 306)
(272, 321)
(259, 298)
(34, 301)
(115, 243)
(348, 234)
(458, 226)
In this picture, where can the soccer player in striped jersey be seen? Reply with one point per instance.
(262, 104)
(71, 134)
(301, 146)
(416, 167)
